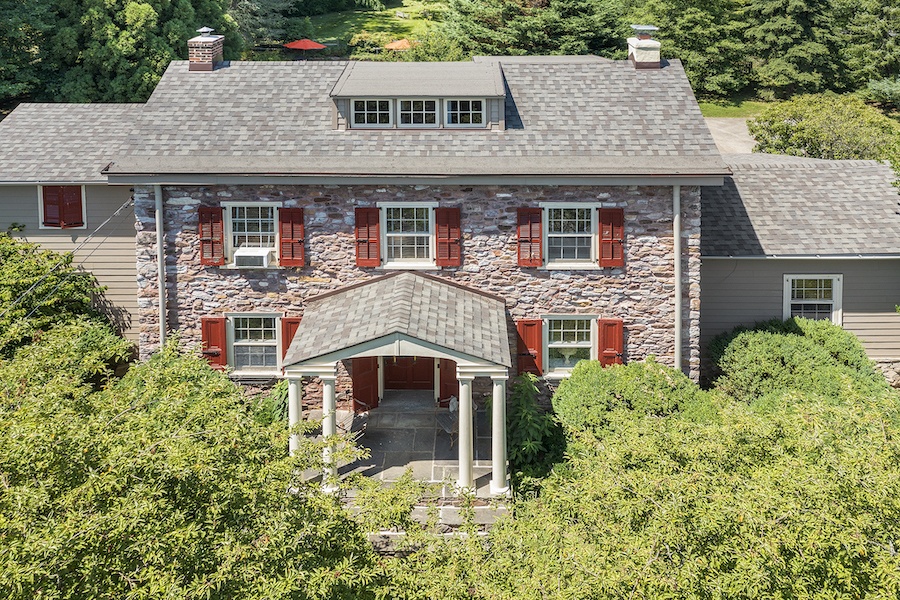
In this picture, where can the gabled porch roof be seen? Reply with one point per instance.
(404, 313)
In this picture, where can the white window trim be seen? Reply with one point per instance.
(432, 243)
(438, 110)
(392, 117)
(545, 341)
(229, 237)
(84, 220)
(446, 115)
(229, 337)
(837, 292)
(594, 263)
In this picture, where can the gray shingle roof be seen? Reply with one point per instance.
(777, 205)
(63, 143)
(578, 117)
(389, 79)
(422, 307)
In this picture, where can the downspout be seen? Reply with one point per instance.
(676, 233)
(161, 263)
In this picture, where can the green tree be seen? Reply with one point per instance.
(826, 126)
(116, 50)
(794, 45)
(706, 37)
(872, 47)
(23, 26)
(516, 27)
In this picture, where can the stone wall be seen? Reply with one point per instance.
(641, 293)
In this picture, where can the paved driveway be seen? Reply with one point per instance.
(731, 135)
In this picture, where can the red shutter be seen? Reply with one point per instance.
(449, 237)
(72, 210)
(53, 205)
(529, 227)
(530, 346)
(290, 235)
(212, 330)
(612, 237)
(612, 342)
(289, 327)
(212, 236)
(63, 206)
(368, 240)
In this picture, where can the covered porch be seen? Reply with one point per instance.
(370, 328)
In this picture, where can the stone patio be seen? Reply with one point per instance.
(403, 433)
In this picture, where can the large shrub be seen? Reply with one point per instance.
(535, 438)
(587, 398)
(798, 499)
(798, 354)
(39, 288)
(826, 126)
(161, 485)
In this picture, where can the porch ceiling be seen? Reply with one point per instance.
(422, 307)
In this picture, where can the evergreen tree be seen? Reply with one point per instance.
(23, 25)
(794, 45)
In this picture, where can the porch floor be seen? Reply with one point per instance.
(403, 433)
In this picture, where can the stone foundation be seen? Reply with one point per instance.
(891, 370)
(640, 293)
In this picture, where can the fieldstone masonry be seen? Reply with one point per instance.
(640, 293)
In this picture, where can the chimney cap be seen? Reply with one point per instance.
(645, 29)
(205, 31)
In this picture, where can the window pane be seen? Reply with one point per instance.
(253, 226)
(817, 311)
(566, 358)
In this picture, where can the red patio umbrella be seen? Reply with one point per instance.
(304, 44)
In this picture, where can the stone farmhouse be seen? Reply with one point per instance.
(364, 227)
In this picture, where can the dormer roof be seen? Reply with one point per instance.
(419, 80)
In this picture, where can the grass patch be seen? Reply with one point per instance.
(418, 16)
(738, 108)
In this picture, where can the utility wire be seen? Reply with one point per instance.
(43, 278)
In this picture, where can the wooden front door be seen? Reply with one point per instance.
(365, 383)
(409, 373)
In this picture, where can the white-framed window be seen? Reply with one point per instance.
(569, 339)
(813, 296)
(418, 112)
(408, 234)
(570, 235)
(253, 343)
(62, 207)
(251, 233)
(464, 112)
(371, 112)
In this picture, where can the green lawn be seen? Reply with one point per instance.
(741, 108)
(341, 26)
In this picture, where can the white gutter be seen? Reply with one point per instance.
(676, 233)
(161, 263)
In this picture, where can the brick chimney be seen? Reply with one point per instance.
(205, 51)
(643, 50)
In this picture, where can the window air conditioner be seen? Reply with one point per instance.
(253, 257)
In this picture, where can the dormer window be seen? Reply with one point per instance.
(372, 113)
(465, 113)
(418, 113)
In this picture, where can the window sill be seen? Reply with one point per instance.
(255, 374)
(557, 375)
(563, 266)
(409, 267)
(233, 267)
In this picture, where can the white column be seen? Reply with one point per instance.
(499, 480)
(294, 415)
(329, 429)
(466, 437)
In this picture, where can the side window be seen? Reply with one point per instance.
(254, 343)
(62, 207)
(371, 113)
(813, 297)
(408, 236)
(251, 234)
(571, 236)
(569, 340)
